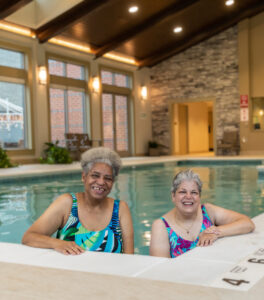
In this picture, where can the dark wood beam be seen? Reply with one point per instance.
(68, 18)
(118, 40)
(7, 7)
(202, 34)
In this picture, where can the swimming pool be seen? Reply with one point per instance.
(233, 185)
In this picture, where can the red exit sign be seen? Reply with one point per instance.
(244, 101)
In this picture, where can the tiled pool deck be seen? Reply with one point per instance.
(29, 273)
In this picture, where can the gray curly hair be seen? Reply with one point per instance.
(186, 175)
(101, 155)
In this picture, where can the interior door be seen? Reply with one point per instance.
(183, 128)
(115, 117)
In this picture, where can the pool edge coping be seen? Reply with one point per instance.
(18, 173)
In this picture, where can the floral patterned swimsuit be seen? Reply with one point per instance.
(178, 245)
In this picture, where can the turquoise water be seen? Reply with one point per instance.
(146, 189)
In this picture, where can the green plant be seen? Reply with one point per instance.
(55, 154)
(153, 144)
(4, 159)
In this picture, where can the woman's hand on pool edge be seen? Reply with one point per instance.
(206, 239)
(68, 248)
(212, 229)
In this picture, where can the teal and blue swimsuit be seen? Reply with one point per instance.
(106, 240)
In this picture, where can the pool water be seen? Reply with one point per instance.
(146, 189)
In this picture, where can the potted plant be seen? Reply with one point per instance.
(4, 159)
(55, 154)
(153, 148)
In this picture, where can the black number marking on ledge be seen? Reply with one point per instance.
(259, 252)
(236, 282)
(256, 261)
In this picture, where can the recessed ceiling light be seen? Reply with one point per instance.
(177, 29)
(229, 2)
(133, 9)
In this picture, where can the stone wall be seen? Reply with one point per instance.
(208, 70)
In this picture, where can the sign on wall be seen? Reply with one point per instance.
(244, 108)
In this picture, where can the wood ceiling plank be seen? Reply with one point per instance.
(158, 17)
(7, 7)
(202, 34)
(60, 23)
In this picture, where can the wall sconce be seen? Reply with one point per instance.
(95, 85)
(144, 93)
(42, 75)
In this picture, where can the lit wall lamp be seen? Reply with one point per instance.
(144, 93)
(95, 85)
(42, 75)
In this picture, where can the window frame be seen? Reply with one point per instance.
(22, 76)
(255, 130)
(66, 83)
(123, 91)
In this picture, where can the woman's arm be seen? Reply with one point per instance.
(127, 228)
(227, 223)
(159, 243)
(39, 233)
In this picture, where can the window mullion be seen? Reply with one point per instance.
(66, 111)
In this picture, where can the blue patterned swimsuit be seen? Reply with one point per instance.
(106, 240)
(178, 245)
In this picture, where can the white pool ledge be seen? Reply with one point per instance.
(201, 267)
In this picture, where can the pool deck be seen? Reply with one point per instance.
(31, 273)
(45, 169)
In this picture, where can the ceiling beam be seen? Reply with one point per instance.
(68, 18)
(7, 7)
(202, 34)
(160, 16)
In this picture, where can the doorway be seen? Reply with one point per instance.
(115, 117)
(192, 127)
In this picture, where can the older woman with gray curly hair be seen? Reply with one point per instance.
(190, 223)
(88, 220)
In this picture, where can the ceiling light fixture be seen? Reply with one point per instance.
(17, 29)
(127, 60)
(229, 2)
(133, 9)
(177, 29)
(69, 44)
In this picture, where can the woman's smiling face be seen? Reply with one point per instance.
(187, 197)
(99, 181)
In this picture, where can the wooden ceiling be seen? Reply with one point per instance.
(106, 25)
(7, 7)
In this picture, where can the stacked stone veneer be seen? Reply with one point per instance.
(208, 70)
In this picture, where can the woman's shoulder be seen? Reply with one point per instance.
(209, 206)
(64, 200)
(212, 211)
(159, 226)
(123, 206)
(212, 208)
(163, 219)
(65, 197)
(60, 207)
